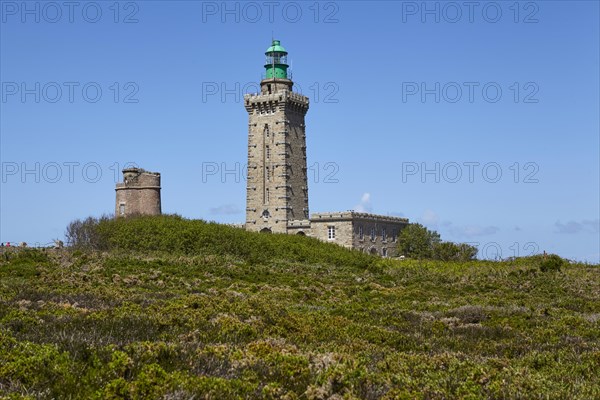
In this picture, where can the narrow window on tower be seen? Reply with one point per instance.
(268, 174)
(360, 232)
(269, 88)
(122, 209)
(267, 196)
(266, 130)
(372, 233)
(268, 153)
(383, 234)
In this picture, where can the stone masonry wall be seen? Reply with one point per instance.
(379, 233)
(139, 193)
(276, 186)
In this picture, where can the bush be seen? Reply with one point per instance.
(76, 324)
(83, 234)
(176, 235)
(416, 241)
(552, 262)
(449, 251)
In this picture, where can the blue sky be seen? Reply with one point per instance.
(480, 121)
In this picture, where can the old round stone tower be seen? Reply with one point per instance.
(139, 193)
(277, 191)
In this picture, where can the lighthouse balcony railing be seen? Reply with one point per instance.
(289, 75)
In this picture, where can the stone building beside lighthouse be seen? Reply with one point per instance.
(277, 184)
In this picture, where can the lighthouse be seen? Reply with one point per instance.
(277, 185)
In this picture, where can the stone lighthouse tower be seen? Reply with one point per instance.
(277, 192)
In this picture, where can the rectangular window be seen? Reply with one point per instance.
(372, 233)
(331, 232)
(394, 235)
(122, 209)
(384, 252)
(268, 151)
(383, 234)
(361, 234)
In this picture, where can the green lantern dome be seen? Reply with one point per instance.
(276, 62)
(276, 46)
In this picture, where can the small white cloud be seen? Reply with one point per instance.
(365, 203)
(430, 218)
(433, 221)
(568, 227)
(396, 214)
(571, 227)
(225, 209)
(471, 231)
(476, 230)
(592, 258)
(592, 225)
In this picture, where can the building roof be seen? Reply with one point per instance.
(354, 215)
(276, 47)
(140, 171)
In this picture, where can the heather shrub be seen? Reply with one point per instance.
(177, 235)
(552, 262)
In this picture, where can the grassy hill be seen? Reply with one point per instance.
(175, 309)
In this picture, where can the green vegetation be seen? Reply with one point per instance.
(209, 311)
(175, 235)
(416, 241)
